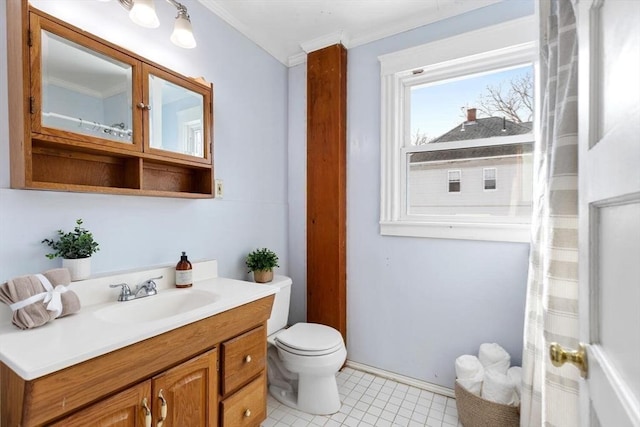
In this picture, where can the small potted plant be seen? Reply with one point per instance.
(75, 248)
(261, 262)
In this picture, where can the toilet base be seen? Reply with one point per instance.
(308, 398)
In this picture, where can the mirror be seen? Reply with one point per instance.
(176, 118)
(84, 91)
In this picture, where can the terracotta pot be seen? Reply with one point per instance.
(79, 269)
(263, 276)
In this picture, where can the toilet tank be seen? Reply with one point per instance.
(280, 309)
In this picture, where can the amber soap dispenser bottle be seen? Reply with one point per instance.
(184, 276)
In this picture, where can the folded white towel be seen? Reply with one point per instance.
(499, 388)
(494, 358)
(515, 375)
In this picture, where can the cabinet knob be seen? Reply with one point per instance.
(247, 413)
(143, 106)
(247, 358)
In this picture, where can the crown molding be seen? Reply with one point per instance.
(298, 58)
(277, 49)
(330, 39)
(266, 43)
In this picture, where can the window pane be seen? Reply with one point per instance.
(454, 181)
(433, 190)
(498, 103)
(490, 179)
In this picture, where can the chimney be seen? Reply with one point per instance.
(471, 114)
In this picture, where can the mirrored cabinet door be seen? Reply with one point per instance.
(177, 115)
(86, 90)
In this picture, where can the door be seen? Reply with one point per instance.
(187, 395)
(609, 132)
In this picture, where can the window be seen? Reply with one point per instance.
(454, 181)
(489, 178)
(460, 106)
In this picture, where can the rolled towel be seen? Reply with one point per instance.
(38, 299)
(499, 388)
(494, 358)
(468, 366)
(515, 375)
(470, 373)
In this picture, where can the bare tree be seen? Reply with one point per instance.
(420, 138)
(514, 102)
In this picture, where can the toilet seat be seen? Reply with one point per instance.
(310, 339)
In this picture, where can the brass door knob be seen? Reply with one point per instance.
(559, 356)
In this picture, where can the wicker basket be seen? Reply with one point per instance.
(474, 411)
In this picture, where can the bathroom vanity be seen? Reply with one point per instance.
(199, 365)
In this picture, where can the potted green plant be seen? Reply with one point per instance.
(262, 262)
(75, 248)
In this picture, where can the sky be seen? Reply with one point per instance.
(438, 107)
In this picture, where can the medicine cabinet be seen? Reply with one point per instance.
(98, 118)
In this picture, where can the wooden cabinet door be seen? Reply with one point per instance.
(187, 395)
(125, 409)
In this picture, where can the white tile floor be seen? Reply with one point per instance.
(367, 401)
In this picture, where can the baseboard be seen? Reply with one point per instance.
(434, 388)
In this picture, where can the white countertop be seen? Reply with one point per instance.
(82, 336)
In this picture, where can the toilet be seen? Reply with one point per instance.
(303, 359)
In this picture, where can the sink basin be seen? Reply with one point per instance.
(165, 304)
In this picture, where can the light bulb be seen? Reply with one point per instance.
(143, 13)
(182, 32)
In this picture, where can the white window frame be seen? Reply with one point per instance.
(484, 179)
(501, 46)
(459, 171)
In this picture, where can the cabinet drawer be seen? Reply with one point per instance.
(243, 358)
(247, 407)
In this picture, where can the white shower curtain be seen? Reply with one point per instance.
(550, 394)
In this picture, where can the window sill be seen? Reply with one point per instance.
(520, 232)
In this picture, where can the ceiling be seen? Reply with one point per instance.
(288, 29)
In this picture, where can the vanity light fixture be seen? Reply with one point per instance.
(143, 13)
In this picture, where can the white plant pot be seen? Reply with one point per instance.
(78, 268)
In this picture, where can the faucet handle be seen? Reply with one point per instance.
(125, 292)
(149, 282)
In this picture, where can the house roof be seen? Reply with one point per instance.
(484, 128)
(488, 127)
(472, 152)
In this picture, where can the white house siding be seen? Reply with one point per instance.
(428, 187)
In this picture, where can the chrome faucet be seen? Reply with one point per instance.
(144, 289)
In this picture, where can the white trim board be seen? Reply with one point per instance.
(434, 388)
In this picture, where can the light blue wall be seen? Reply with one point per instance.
(250, 154)
(413, 304)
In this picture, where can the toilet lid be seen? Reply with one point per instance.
(310, 338)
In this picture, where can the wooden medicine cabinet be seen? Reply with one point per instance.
(90, 116)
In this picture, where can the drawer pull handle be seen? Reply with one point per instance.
(147, 413)
(247, 358)
(163, 409)
(247, 413)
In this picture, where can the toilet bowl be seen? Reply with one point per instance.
(302, 360)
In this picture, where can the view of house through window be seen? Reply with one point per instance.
(464, 133)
